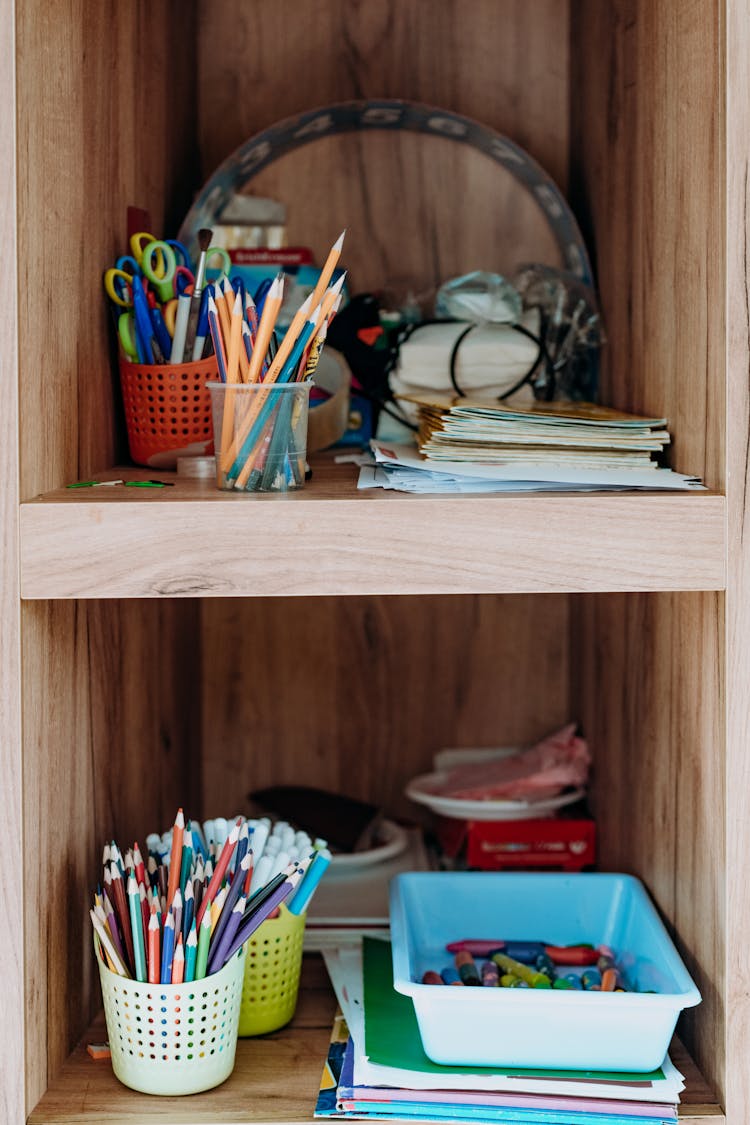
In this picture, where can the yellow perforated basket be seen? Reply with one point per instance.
(272, 969)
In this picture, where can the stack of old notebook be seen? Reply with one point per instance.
(376, 1068)
(462, 442)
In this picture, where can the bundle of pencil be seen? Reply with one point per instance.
(185, 911)
(258, 428)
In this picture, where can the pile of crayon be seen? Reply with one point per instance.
(182, 912)
(530, 964)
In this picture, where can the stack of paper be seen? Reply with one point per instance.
(470, 445)
(377, 1068)
(582, 434)
(403, 468)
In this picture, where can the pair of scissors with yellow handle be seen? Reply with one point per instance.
(157, 262)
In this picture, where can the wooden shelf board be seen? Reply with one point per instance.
(191, 540)
(275, 1079)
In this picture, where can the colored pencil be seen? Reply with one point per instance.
(290, 339)
(167, 949)
(191, 950)
(327, 272)
(154, 947)
(204, 938)
(178, 962)
(220, 869)
(136, 928)
(176, 856)
(218, 955)
(188, 911)
(217, 339)
(107, 945)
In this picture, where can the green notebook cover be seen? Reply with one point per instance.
(392, 1034)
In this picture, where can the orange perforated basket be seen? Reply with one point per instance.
(168, 410)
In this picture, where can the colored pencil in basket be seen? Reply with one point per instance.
(154, 948)
(176, 856)
(250, 925)
(187, 858)
(136, 928)
(217, 906)
(165, 938)
(188, 910)
(218, 956)
(220, 869)
(235, 891)
(315, 872)
(216, 337)
(178, 962)
(191, 950)
(204, 938)
(167, 949)
(106, 942)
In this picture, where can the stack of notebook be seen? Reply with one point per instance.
(471, 445)
(376, 1068)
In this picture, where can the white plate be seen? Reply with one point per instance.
(392, 841)
(419, 790)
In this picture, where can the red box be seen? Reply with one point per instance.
(562, 843)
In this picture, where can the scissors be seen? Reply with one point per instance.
(128, 336)
(157, 261)
(181, 252)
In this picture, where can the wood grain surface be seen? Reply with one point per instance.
(111, 720)
(275, 1079)
(111, 727)
(417, 209)
(100, 125)
(357, 694)
(408, 225)
(115, 698)
(504, 64)
(737, 652)
(648, 684)
(648, 181)
(12, 976)
(647, 184)
(191, 540)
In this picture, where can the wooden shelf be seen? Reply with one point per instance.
(191, 540)
(275, 1079)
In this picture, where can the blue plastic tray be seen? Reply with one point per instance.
(534, 1027)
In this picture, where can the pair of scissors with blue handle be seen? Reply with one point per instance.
(183, 256)
(180, 252)
(143, 326)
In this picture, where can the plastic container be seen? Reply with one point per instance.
(534, 1027)
(173, 1038)
(260, 435)
(167, 410)
(272, 970)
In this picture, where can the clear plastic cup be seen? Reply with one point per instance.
(260, 435)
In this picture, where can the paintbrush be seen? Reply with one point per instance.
(204, 241)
